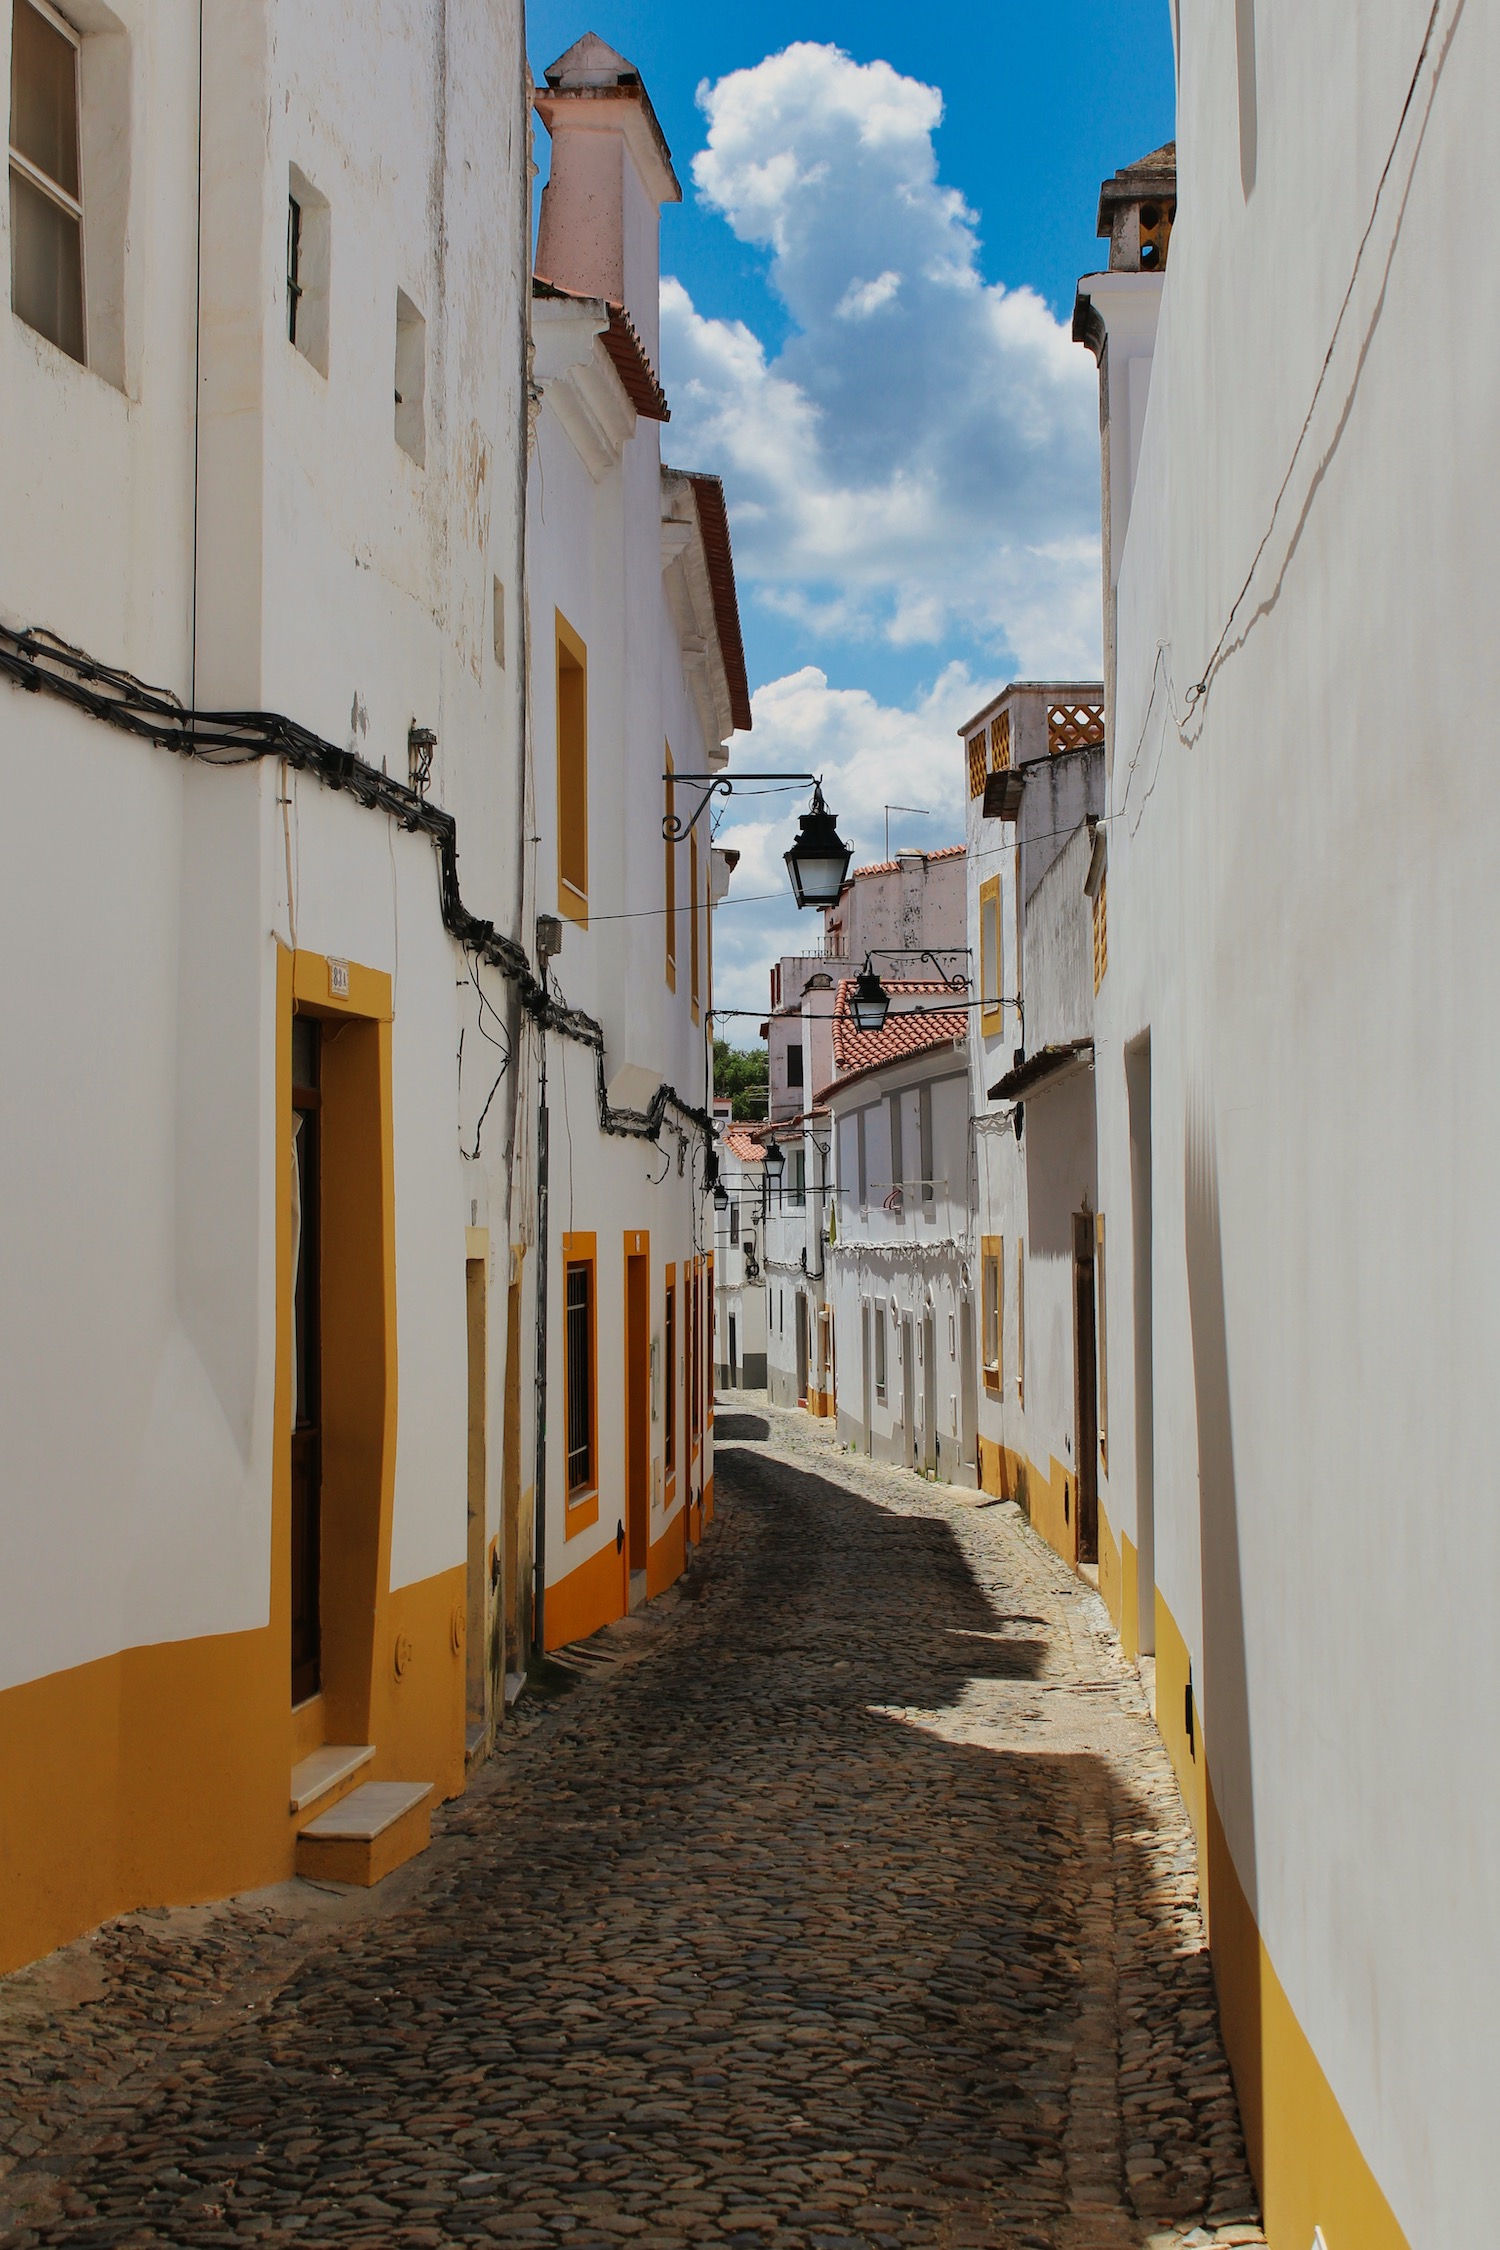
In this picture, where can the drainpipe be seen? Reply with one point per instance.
(539, 1492)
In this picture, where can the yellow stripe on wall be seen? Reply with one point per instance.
(1307, 2163)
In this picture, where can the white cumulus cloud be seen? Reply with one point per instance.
(919, 462)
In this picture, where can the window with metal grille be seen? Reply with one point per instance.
(671, 881)
(976, 764)
(879, 1335)
(991, 968)
(579, 1318)
(46, 179)
(572, 772)
(992, 1254)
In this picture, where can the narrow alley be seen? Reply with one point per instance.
(846, 1900)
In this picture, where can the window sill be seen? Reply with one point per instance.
(580, 1513)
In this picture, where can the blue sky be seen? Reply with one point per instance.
(866, 292)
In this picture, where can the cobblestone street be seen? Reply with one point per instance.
(847, 1900)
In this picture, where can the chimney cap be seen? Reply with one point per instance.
(592, 70)
(1150, 177)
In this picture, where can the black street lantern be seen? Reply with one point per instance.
(775, 1163)
(721, 1196)
(871, 1003)
(819, 860)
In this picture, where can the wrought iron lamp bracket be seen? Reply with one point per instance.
(674, 827)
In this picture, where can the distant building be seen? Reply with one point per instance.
(897, 1249)
(739, 1271)
(1034, 762)
(899, 908)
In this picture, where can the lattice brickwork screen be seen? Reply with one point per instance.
(1000, 743)
(1074, 726)
(976, 764)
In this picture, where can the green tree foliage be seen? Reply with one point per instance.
(744, 1077)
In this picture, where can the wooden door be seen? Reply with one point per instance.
(478, 1604)
(1086, 1387)
(517, 1606)
(908, 1387)
(307, 1359)
(637, 1409)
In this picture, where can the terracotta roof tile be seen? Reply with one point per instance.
(855, 1052)
(740, 1140)
(632, 364)
(889, 866)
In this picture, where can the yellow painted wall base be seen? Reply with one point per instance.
(590, 1596)
(666, 1559)
(161, 1776)
(1117, 1583)
(1310, 2169)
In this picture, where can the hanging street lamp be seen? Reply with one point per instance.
(870, 1003)
(721, 1196)
(819, 860)
(775, 1163)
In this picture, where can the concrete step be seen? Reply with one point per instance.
(322, 1770)
(371, 1832)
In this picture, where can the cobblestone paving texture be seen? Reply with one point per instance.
(847, 1902)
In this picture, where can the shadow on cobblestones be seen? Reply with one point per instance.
(742, 1947)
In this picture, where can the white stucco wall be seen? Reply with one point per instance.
(1301, 912)
(337, 584)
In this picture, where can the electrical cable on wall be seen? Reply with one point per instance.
(41, 663)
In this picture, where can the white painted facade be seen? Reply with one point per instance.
(618, 552)
(739, 1274)
(328, 539)
(897, 909)
(1295, 1099)
(900, 1266)
(799, 1343)
(1031, 927)
(262, 543)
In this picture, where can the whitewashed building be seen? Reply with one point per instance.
(739, 1271)
(1034, 759)
(895, 910)
(261, 457)
(637, 674)
(1294, 1090)
(898, 1255)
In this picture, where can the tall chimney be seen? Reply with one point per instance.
(600, 227)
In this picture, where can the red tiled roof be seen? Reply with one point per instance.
(901, 1036)
(889, 866)
(741, 1142)
(624, 346)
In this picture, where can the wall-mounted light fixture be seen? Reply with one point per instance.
(420, 744)
(819, 859)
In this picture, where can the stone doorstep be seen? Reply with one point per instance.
(322, 1770)
(368, 1834)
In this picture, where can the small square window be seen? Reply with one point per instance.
(411, 380)
(307, 239)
